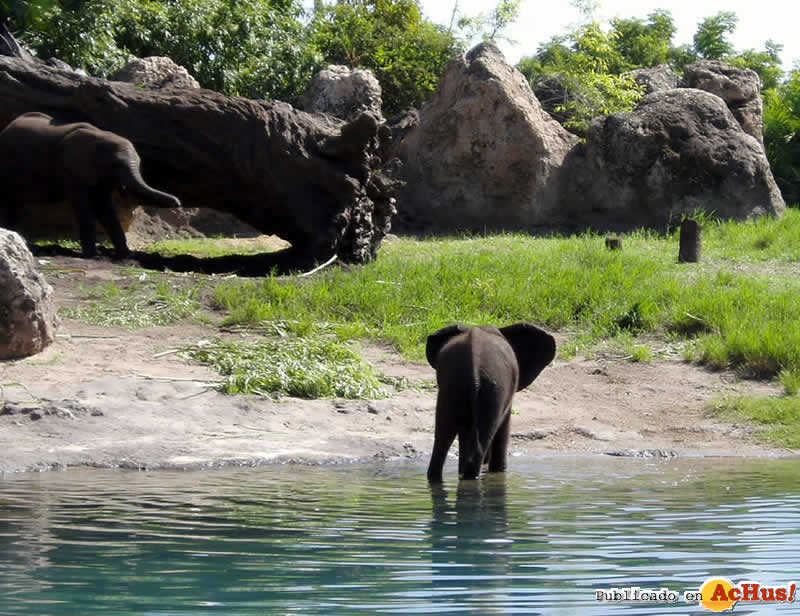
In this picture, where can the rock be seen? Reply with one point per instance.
(740, 88)
(63, 66)
(551, 93)
(643, 453)
(27, 312)
(485, 155)
(343, 93)
(155, 73)
(393, 132)
(656, 78)
(677, 152)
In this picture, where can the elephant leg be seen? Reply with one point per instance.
(442, 440)
(470, 454)
(106, 213)
(498, 451)
(86, 221)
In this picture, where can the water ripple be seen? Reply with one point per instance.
(361, 540)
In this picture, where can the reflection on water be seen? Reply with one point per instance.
(365, 540)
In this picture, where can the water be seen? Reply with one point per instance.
(378, 540)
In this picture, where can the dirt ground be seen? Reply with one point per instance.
(116, 398)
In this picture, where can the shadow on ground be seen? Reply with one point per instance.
(282, 262)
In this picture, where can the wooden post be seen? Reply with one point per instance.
(614, 243)
(690, 242)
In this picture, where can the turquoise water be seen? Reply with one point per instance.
(377, 540)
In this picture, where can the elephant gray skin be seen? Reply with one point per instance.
(478, 370)
(45, 161)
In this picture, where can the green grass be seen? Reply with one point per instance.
(137, 304)
(778, 418)
(575, 285)
(210, 247)
(313, 367)
(761, 240)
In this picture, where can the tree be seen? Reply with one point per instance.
(644, 43)
(591, 72)
(406, 53)
(490, 27)
(782, 135)
(255, 48)
(710, 40)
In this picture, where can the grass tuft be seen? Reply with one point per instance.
(778, 417)
(314, 367)
(137, 305)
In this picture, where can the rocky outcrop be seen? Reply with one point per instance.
(679, 151)
(656, 78)
(27, 313)
(740, 88)
(485, 155)
(155, 73)
(343, 92)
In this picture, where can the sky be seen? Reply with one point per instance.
(759, 20)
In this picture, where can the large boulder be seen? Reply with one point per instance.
(343, 92)
(677, 152)
(485, 155)
(27, 313)
(740, 88)
(656, 78)
(155, 73)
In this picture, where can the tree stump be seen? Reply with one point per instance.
(690, 242)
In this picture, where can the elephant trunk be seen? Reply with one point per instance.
(131, 177)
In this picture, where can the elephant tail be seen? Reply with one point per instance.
(130, 177)
(474, 446)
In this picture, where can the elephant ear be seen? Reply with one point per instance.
(438, 339)
(534, 348)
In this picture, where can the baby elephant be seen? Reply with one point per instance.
(46, 161)
(478, 369)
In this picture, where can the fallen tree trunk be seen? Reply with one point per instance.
(307, 178)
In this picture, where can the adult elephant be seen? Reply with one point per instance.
(478, 370)
(45, 160)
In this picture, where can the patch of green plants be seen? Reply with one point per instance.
(765, 239)
(137, 305)
(311, 367)
(67, 244)
(779, 417)
(575, 285)
(211, 247)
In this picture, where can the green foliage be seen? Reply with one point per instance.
(644, 43)
(310, 367)
(782, 135)
(22, 15)
(595, 94)
(255, 48)
(710, 40)
(406, 53)
(490, 27)
(766, 63)
(590, 67)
